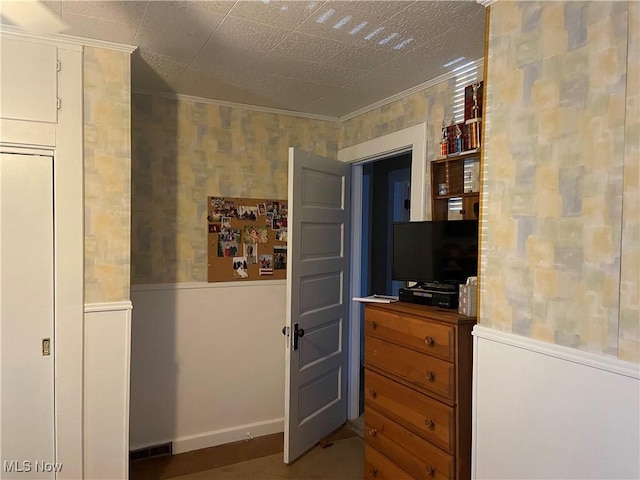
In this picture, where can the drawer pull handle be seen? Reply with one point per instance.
(374, 325)
(429, 423)
(374, 472)
(430, 376)
(429, 341)
(373, 393)
(373, 432)
(431, 471)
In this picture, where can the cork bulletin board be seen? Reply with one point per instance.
(247, 239)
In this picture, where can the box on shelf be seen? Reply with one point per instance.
(467, 299)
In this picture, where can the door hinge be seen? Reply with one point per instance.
(58, 65)
(59, 103)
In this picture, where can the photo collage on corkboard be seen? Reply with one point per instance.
(247, 239)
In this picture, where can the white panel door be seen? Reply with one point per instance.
(26, 317)
(28, 81)
(317, 308)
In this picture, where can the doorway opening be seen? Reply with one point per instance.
(386, 194)
(413, 142)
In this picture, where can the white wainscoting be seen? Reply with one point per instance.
(207, 363)
(107, 347)
(543, 411)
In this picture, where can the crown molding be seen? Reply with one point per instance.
(62, 39)
(486, 3)
(398, 96)
(241, 106)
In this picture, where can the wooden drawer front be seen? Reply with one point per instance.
(413, 454)
(428, 337)
(378, 467)
(429, 418)
(427, 372)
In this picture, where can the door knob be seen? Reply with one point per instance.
(297, 333)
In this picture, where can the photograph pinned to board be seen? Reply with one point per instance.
(216, 206)
(266, 264)
(228, 234)
(227, 249)
(248, 213)
(262, 208)
(251, 252)
(219, 207)
(240, 267)
(228, 242)
(273, 207)
(269, 220)
(280, 257)
(281, 235)
(215, 228)
(279, 222)
(256, 234)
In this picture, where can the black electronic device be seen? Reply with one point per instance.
(425, 296)
(437, 256)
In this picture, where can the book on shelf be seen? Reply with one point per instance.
(376, 299)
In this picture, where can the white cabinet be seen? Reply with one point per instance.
(41, 143)
(28, 81)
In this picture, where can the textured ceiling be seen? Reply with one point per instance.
(327, 58)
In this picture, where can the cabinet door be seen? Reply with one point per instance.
(27, 347)
(28, 81)
(470, 205)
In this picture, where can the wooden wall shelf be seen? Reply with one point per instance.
(449, 173)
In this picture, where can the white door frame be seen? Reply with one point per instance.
(412, 139)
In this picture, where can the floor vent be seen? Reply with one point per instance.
(151, 452)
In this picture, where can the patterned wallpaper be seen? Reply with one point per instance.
(184, 151)
(107, 167)
(430, 105)
(557, 163)
(629, 347)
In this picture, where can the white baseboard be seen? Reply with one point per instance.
(220, 437)
(546, 411)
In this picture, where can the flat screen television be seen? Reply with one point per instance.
(435, 251)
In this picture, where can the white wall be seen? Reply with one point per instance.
(544, 411)
(207, 363)
(107, 347)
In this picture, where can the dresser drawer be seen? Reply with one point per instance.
(427, 372)
(412, 453)
(429, 418)
(379, 467)
(422, 335)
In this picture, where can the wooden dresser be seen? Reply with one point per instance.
(418, 367)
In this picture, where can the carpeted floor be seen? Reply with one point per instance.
(341, 458)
